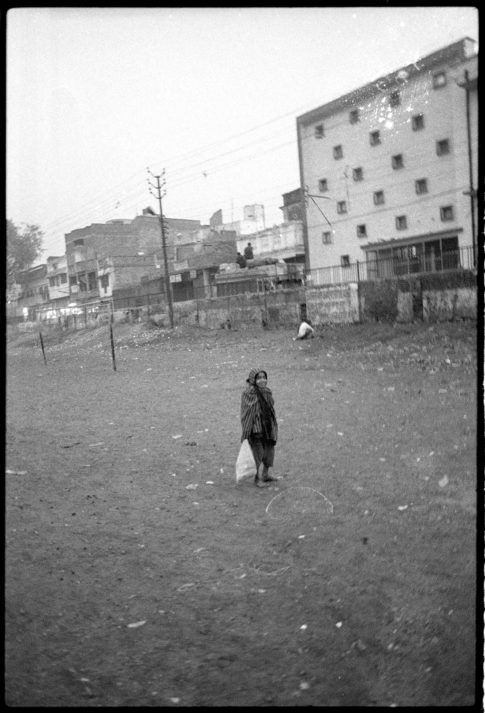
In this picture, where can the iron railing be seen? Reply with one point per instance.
(392, 267)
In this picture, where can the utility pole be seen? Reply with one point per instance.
(471, 192)
(160, 179)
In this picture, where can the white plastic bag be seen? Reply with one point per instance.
(245, 463)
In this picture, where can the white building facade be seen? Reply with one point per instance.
(390, 170)
(283, 241)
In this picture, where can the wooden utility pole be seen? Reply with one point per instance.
(160, 179)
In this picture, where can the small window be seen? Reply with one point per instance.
(439, 80)
(395, 99)
(398, 161)
(443, 147)
(345, 260)
(338, 151)
(72, 280)
(358, 174)
(362, 231)
(375, 138)
(319, 132)
(79, 242)
(421, 186)
(104, 279)
(323, 185)
(354, 116)
(418, 122)
(341, 207)
(446, 212)
(378, 197)
(327, 238)
(91, 280)
(401, 222)
(63, 278)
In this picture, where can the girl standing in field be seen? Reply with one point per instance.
(259, 425)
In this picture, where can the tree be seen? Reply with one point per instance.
(24, 246)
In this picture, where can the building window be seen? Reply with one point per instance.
(443, 147)
(338, 151)
(82, 283)
(395, 99)
(354, 116)
(323, 185)
(418, 122)
(358, 174)
(345, 260)
(327, 238)
(375, 138)
(446, 212)
(72, 280)
(361, 231)
(421, 186)
(401, 222)
(79, 242)
(439, 80)
(319, 132)
(104, 281)
(398, 161)
(63, 278)
(91, 281)
(378, 197)
(341, 207)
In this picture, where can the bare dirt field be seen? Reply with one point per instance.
(139, 574)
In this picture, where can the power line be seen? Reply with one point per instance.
(197, 152)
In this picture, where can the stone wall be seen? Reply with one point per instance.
(447, 305)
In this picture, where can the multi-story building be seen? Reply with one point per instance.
(390, 170)
(34, 294)
(284, 241)
(59, 292)
(104, 256)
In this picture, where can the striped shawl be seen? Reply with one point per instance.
(257, 410)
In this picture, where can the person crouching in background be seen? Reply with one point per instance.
(305, 331)
(259, 424)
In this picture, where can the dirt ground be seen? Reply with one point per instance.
(138, 573)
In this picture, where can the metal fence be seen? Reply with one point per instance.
(405, 265)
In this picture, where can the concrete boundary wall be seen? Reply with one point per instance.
(333, 305)
(446, 305)
(284, 308)
(339, 304)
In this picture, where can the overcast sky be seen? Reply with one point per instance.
(211, 95)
